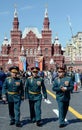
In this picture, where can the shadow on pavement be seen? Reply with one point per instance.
(75, 121)
(47, 120)
(25, 121)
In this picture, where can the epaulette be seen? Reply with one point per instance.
(57, 78)
(30, 77)
(8, 77)
(69, 77)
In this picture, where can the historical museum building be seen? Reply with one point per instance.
(31, 47)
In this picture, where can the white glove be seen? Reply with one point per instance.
(4, 98)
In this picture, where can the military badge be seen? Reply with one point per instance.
(38, 83)
(10, 80)
(17, 83)
(66, 83)
(59, 80)
(31, 80)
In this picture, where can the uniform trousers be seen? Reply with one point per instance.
(35, 109)
(63, 108)
(14, 111)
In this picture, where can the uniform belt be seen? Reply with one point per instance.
(12, 93)
(34, 92)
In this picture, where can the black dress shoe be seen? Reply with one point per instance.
(18, 125)
(33, 121)
(62, 125)
(12, 123)
(39, 123)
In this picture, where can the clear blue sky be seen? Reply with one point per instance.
(31, 13)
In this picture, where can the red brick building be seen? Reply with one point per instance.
(32, 45)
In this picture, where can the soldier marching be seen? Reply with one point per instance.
(34, 87)
(13, 87)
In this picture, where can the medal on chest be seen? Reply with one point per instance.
(38, 83)
(17, 83)
(66, 83)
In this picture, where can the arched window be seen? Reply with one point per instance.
(26, 51)
(46, 51)
(31, 51)
(15, 50)
(35, 51)
(5, 51)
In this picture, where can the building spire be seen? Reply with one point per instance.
(46, 11)
(39, 50)
(15, 11)
(5, 37)
(15, 22)
(46, 20)
(56, 41)
(22, 51)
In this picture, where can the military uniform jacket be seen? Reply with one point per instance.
(2, 78)
(65, 82)
(14, 89)
(35, 87)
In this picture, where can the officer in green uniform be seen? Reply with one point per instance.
(62, 85)
(35, 87)
(14, 88)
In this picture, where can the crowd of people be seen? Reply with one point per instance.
(16, 85)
